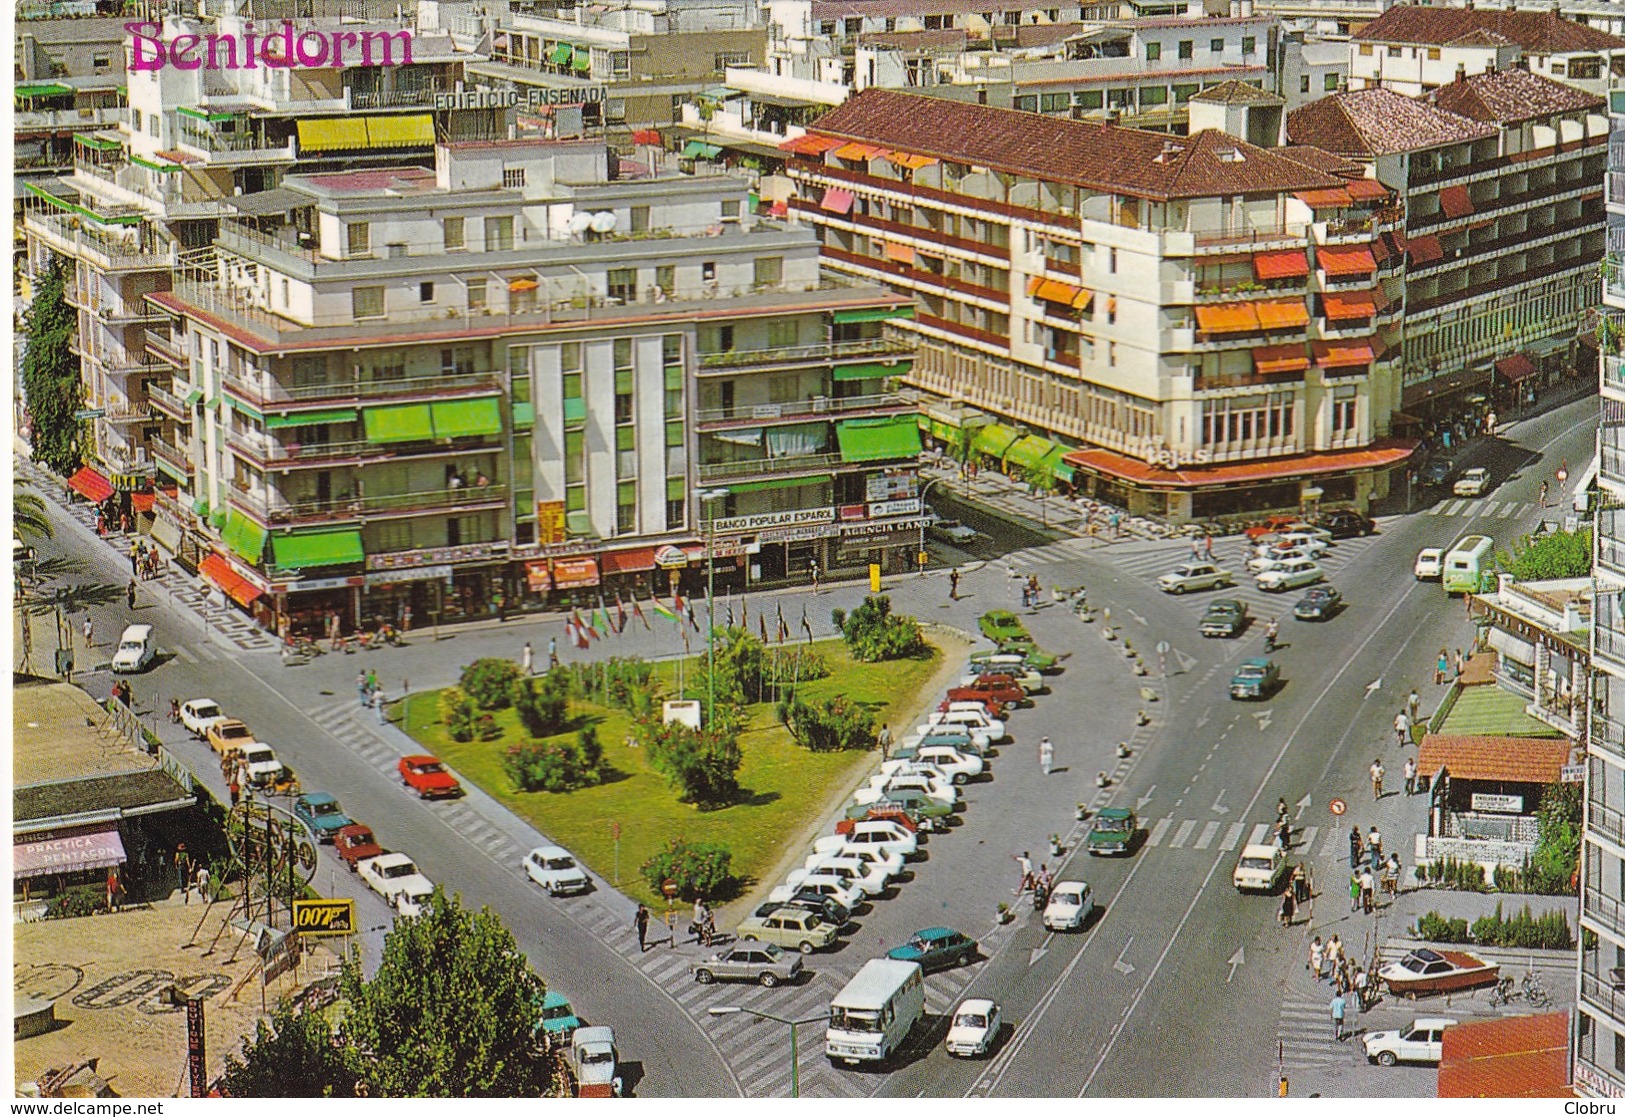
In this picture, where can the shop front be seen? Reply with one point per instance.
(409, 589)
(893, 545)
(1484, 794)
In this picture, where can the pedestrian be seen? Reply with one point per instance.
(1362, 986)
(372, 680)
(641, 922)
(1543, 494)
(527, 660)
(235, 790)
(812, 565)
(1410, 775)
(1376, 779)
(1046, 755)
(884, 740)
(1461, 661)
(1373, 844)
(1207, 548)
(1354, 891)
(183, 867)
(101, 522)
(1393, 872)
(1289, 908)
(135, 558)
(953, 584)
(378, 706)
(552, 652)
(1368, 890)
(361, 687)
(406, 618)
(1356, 846)
(1339, 1007)
(1024, 862)
(1196, 548)
(1317, 955)
(112, 890)
(1441, 667)
(1414, 704)
(202, 882)
(1300, 884)
(90, 633)
(1402, 729)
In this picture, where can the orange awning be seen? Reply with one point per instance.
(219, 573)
(912, 162)
(1425, 250)
(837, 200)
(1366, 190)
(141, 502)
(91, 485)
(809, 145)
(1455, 201)
(1236, 318)
(522, 285)
(1383, 454)
(1325, 199)
(1359, 304)
(902, 253)
(1284, 264)
(1335, 354)
(1054, 291)
(1280, 358)
(1283, 314)
(1350, 260)
(861, 153)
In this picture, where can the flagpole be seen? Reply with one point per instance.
(706, 497)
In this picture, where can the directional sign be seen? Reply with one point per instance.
(1303, 805)
(1264, 720)
(1337, 806)
(1139, 804)
(1122, 967)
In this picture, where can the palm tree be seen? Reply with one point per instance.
(37, 598)
(29, 519)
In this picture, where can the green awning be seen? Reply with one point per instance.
(578, 523)
(218, 518)
(873, 313)
(1029, 453)
(96, 142)
(699, 149)
(238, 405)
(211, 117)
(776, 483)
(404, 422)
(193, 396)
(872, 370)
(524, 416)
(88, 214)
(312, 418)
(317, 548)
(582, 62)
(200, 506)
(466, 418)
(869, 440)
(42, 89)
(1053, 463)
(174, 471)
(245, 538)
(575, 409)
(994, 440)
(561, 54)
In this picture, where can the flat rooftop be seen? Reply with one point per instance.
(57, 734)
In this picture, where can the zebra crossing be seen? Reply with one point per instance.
(1199, 835)
(1488, 509)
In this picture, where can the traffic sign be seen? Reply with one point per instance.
(1338, 806)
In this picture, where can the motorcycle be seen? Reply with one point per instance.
(1269, 638)
(1040, 897)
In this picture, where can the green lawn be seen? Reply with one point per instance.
(1489, 711)
(786, 786)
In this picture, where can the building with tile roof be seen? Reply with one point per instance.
(1524, 1056)
(1540, 633)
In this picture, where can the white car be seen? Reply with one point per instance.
(263, 766)
(1420, 1041)
(394, 877)
(859, 874)
(951, 531)
(556, 870)
(1475, 482)
(1291, 575)
(889, 863)
(1429, 563)
(974, 1028)
(940, 790)
(1195, 576)
(136, 650)
(1259, 868)
(882, 832)
(1312, 545)
(1277, 560)
(973, 719)
(961, 767)
(825, 884)
(200, 713)
(910, 766)
(1071, 903)
(949, 736)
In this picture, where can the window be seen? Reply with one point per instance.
(769, 271)
(425, 292)
(476, 293)
(1055, 102)
(570, 361)
(1111, 261)
(708, 271)
(452, 233)
(671, 349)
(458, 361)
(1153, 52)
(674, 515)
(367, 302)
(623, 407)
(623, 284)
(1090, 99)
(1154, 95)
(640, 219)
(499, 234)
(730, 209)
(1365, 50)
(1434, 54)
(360, 238)
(284, 283)
(1183, 93)
(853, 26)
(725, 58)
(826, 28)
(781, 333)
(575, 468)
(513, 178)
(1216, 46)
(623, 353)
(1303, 83)
(152, 125)
(666, 278)
(1249, 45)
(1393, 52)
(1331, 83)
(1026, 104)
(101, 63)
(1187, 48)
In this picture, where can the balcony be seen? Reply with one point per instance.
(173, 456)
(350, 508)
(1609, 641)
(225, 149)
(165, 350)
(122, 362)
(265, 392)
(759, 413)
(769, 467)
(110, 253)
(1607, 735)
(734, 360)
(1208, 293)
(56, 121)
(267, 452)
(394, 99)
(168, 403)
(1613, 376)
(1240, 240)
(1603, 909)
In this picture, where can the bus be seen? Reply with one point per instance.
(1467, 565)
(873, 1015)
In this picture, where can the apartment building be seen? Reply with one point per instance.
(1414, 50)
(1211, 320)
(501, 382)
(69, 78)
(1501, 179)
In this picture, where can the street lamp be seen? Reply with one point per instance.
(705, 497)
(795, 1069)
(925, 488)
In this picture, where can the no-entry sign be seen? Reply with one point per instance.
(1338, 806)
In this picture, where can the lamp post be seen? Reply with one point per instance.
(705, 497)
(925, 488)
(795, 1066)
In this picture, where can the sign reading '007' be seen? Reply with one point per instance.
(324, 917)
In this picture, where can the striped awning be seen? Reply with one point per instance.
(1269, 359)
(1283, 314)
(1425, 250)
(1234, 318)
(1455, 201)
(218, 572)
(338, 134)
(91, 485)
(910, 162)
(1333, 198)
(837, 200)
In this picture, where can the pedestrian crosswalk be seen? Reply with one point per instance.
(1488, 509)
(1197, 835)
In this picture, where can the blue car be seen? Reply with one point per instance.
(322, 813)
(937, 948)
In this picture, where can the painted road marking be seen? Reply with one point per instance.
(1158, 831)
(1183, 835)
(1206, 838)
(1258, 834)
(1231, 836)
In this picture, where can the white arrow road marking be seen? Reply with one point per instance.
(1264, 720)
(1218, 804)
(1139, 804)
(1041, 949)
(1201, 721)
(1138, 619)
(1122, 967)
(1239, 958)
(1303, 805)
(1373, 685)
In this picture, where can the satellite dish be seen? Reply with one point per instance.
(603, 222)
(579, 222)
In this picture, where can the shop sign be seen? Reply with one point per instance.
(324, 917)
(129, 482)
(732, 548)
(418, 574)
(855, 544)
(534, 97)
(1573, 773)
(308, 584)
(433, 556)
(797, 534)
(550, 521)
(890, 485)
(796, 518)
(907, 507)
(671, 558)
(1596, 1083)
(1498, 804)
(852, 512)
(882, 527)
(538, 578)
(569, 574)
(572, 549)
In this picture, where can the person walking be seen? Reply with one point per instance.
(1207, 548)
(1402, 729)
(1461, 660)
(234, 790)
(1362, 986)
(1543, 494)
(361, 687)
(90, 632)
(1368, 890)
(378, 706)
(1289, 908)
(1356, 846)
(202, 882)
(527, 660)
(1046, 755)
(953, 584)
(812, 565)
(1024, 862)
(1441, 667)
(1414, 705)
(183, 870)
(552, 652)
(129, 595)
(372, 680)
(135, 558)
(1376, 779)
(1373, 844)
(1339, 1007)
(1334, 953)
(641, 922)
(1354, 891)
(1410, 775)
(1317, 956)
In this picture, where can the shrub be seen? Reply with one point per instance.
(874, 633)
(486, 728)
(828, 726)
(457, 713)
(1551, 869)
(622, 684)
(704, 762)
(489, 682)
(542, 704)
(701, 870)
(1434, 927)
(1460, 876)
(1525, 930)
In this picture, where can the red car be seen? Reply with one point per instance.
(1000, 688)
(844, 826)
(428, 777)
(354, 844)
(1272, 525)
(995, 708)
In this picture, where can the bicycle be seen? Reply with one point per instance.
(1505, 992)
(1534, 991)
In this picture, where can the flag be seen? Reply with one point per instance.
(569, 632)
(637, 611)
(761, 625)
(805, 627)
(664, 610)
(693, 616)
(620, 613)
(579, 630)
(744, 612)
(679, 606)
(784, 629)
(586, 628)
(730, 621)
(600, 619)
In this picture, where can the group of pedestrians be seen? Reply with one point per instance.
(1202, 549)
(370, 692)
(1369, 870)
(1031, 881)
(1447, 668)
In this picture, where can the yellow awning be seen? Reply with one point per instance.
(339, 134)
(416, 130)
(1283, 314)
(1235, 318)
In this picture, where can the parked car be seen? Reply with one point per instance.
(322, 813)
(982, 729)
(1475, 482)
(973, 1029)
(796, 928)
(355, 844)
(559, 1021)
(764, 963)
(887, 834)
(1429, 563)
(1320, 603)
(1420, 1041)
(555, 869)
(1020, 655)
(936, 948)
(867, 876)
(951, 531)
(927, 810)
(825, 887)
(1438, 471)
(935, 786)
(1224, 618)
(1290, 576)
(998, 688)
(261, 763)
(1272, 525)
(198, 714)
(1195, 576)
(1255, 678)
(592, 1060)
(809, 899)
(993, 707)
(884, 861)
(428, 777)
(1346, 523)
(1278, 560)
(1112, 831)
(961, 766)
(394, 877)
(1071, 903)
(1260, 868)
(1026, 678)
(899, 820)
(137, 648)
(1001, 626)
(227, 734)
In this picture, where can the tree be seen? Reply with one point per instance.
(1561, 554)
(703, 762)
(1557, 849)
(700, 870)
(834, 724)
(29, 519)
(490, 682)
(51, 383)
(873, 633)
(542, 704)
(290, 1056)
(451, 1012)
(1042, 482)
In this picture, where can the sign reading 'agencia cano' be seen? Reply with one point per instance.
(251, 49)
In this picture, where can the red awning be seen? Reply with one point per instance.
(1282, 314)
(1342, 354)
(1380, 455)
(1284, 264)
(1366, 190)
(837, 200)
(809, 145)
(1334, 198)
(647, 137)
(1359, 304)
(219, 573)
(574, 573)
(68, 851)
(91, 485)
(1350, 260)
(859, 152)
(627, 562)
(1280, 358)
(1515, 368)
(1228, 318)
(538, 577)
(141, 502)
(1426, 250)
(1455, 201)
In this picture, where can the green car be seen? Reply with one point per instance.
(927, 811)
(1002, 627)
(1026, 655)
(1255, 678)
(559, 1020)
(1112, 831)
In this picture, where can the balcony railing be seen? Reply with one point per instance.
(397, 98)
(805, 463)
(822, 405)
(167, 452)
(803, 354)
(355, 507)
(1603, 908)
(268, 392)
(169, 403)
(1610, 641)
(268, 451)
(111, 252)
(1607, 734)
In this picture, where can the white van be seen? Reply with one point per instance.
(136, 650)
(872, 1016)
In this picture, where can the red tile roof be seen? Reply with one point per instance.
(1321, 160)
(1514, 759)
(1372, 122)
(1538, 32)
(1513, 1057)
(1513, 96)
(1382, 454)
(1099, 156)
